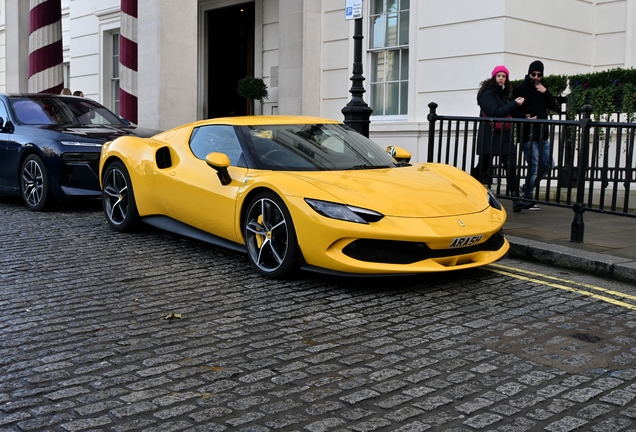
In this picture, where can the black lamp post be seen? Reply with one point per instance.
(357, 112)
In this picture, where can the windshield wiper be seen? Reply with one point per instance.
(402, 164)
(366, 167)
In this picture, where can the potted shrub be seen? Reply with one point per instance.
(252, 88)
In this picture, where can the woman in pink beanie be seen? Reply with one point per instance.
(496, 138)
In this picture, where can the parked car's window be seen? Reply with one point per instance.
(314, 147)
(30, 112)
(3, 113)
(216, 138)
(43, 110)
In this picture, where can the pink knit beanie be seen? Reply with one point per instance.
(500, 68)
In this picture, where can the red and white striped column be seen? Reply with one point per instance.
(46, 56)
(128, 89)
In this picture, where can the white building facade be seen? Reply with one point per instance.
(191, 52)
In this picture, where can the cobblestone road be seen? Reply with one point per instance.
(90, 340)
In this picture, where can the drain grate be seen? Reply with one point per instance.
(587, 337)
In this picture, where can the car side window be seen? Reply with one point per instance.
(30, 112)
(3, 114)
(216, 138)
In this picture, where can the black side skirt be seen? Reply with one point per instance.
(174, 226)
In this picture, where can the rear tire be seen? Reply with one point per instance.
(34, 183)
(118, 199)
(268, 229)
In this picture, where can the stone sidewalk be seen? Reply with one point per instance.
(608, 248)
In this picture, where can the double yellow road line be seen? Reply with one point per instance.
(593, 291)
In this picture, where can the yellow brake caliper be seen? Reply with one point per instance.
(259, 237)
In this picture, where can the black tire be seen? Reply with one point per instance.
(118, 198)
(268, 229)
(34, 184)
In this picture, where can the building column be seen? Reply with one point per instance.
(300, 31)
(630, 34)
(17, 45)
(168, 46)
(46, 54)
(128, 90)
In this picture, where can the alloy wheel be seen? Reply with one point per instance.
(32, 183)
(267, 235)
(115, 196)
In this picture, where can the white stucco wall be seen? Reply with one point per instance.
(304, 52)
(90, 21)
(3, 50)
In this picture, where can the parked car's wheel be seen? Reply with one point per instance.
(270, 237)
(34, 183)
(118, 198)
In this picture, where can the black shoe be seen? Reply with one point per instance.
(518, 205)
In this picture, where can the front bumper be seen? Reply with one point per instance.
(398, 245)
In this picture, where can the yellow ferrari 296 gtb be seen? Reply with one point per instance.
(302, 193)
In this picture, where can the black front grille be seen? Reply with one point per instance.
(399, 252)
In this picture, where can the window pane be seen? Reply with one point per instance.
(404, 97)
(404, 68)
(115, 96)
(404, 4)
(393, 66)
(377, 7)
(377, 98)
(378, 31)
(391, 5)
(392, 99)
(404, 28)
(115, 61)
(116, 44)
(377, 68)
(392, 30)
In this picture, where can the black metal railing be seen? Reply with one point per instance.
(592, 168)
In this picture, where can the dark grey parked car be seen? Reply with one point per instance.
(50, 146)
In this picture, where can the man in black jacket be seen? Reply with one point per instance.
(535, 143)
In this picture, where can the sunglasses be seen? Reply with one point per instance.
(536, 74)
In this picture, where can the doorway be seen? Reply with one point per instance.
(230, 57)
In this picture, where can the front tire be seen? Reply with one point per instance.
(118, 198)
(34, 183)
(268, 229)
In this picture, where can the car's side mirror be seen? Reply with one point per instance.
(399, 154)
(220, 162)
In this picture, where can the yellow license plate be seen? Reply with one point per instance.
(465, 241)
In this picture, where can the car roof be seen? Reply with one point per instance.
(263, 120)
(38, 95)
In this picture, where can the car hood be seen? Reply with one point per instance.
(416, 191)
(102, 132)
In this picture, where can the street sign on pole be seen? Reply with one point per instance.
(353, 9)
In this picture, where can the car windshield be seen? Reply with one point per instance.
(57, 110)
(314, 147)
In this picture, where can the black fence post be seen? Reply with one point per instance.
(432, 117)
(578, 226)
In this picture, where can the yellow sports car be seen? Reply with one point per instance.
(302, 193)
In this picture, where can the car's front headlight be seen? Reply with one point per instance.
(492, 200)
(344, 212)
(80, 144)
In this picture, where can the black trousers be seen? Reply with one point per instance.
(484, 170)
